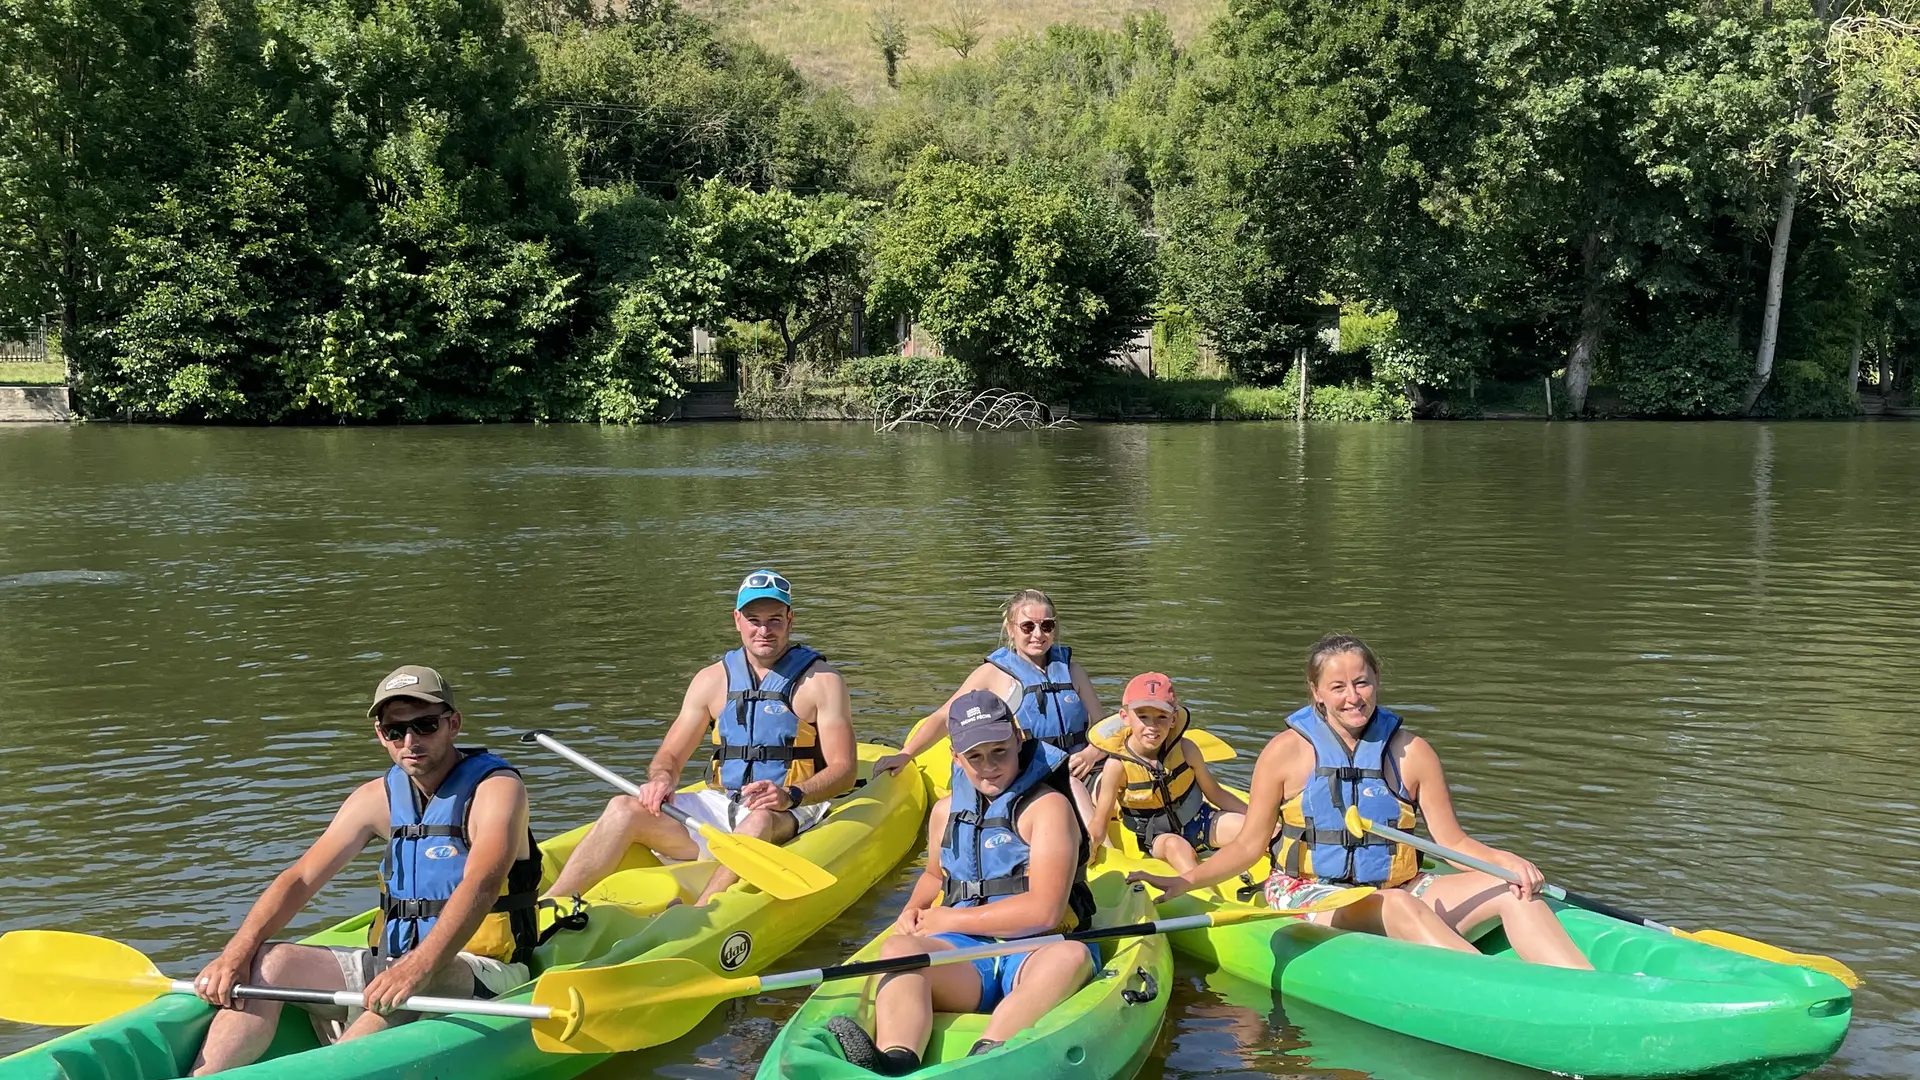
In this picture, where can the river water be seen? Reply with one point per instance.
(1677, 665)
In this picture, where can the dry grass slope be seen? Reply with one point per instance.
(828, 39)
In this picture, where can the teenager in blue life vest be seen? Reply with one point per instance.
(1045, 687)
(779, 725)
(1007, 859)
(459, 885)
(1344, 749)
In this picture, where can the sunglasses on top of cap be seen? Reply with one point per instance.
(764, 579)
(1045, 626)
(396, 730)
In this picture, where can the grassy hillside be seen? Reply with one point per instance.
(828, 40)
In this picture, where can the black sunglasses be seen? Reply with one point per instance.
(1046, 626)
(423, 726)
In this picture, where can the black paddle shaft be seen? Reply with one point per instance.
(920, 960)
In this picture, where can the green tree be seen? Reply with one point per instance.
(1026, 273)
(780, 258)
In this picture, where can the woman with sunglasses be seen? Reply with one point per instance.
(1049, 692)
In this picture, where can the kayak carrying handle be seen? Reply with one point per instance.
(1149, 989)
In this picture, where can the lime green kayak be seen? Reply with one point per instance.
(1657, 1005)
(1103, 1031)
(741, 932)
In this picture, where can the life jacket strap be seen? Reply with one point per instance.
(761, 753)
(966, 892)
(1072, 742)
(421, 832)
(757, 694)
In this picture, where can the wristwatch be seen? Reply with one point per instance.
(795, 796)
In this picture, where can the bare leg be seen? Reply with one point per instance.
(903, 1007)
(238, 1036)
(1175, 852)
(624, 823)
(1469, 900)
(1397, 914)
(1047, 977)
(775, 827)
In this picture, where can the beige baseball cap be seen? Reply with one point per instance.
(411, 681)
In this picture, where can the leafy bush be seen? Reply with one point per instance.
(1681, 366)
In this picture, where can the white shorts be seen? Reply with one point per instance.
(359, 966)
(710, 806)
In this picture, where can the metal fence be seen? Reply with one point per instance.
(24, 343)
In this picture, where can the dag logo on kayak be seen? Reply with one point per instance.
(735, 950)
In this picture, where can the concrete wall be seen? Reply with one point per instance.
(34, 403)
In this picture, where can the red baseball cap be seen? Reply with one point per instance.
(1152, 689)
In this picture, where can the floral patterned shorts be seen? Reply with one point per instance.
(1286, 891)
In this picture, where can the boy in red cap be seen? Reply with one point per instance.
(1166, 794)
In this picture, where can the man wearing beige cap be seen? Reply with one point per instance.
(459, 887)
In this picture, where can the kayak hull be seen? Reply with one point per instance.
(1657, 1005)
(740, 933)
(1097, 1033)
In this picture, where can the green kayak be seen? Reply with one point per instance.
(1102, 1031)
(1657, 1005)
(741, 932)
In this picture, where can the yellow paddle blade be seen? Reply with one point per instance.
(777, 871)
(60, 979)
(628, 1006)
(1826, 965)
(1211, 747)
(1333, 902)
(1356, 824)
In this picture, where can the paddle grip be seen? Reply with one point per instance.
(1603, 908)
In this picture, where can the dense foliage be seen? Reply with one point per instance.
(306, 210)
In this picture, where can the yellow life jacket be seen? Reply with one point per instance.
(1312, 841)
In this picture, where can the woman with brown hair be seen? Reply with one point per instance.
(1344, 749)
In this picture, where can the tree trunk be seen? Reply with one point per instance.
(1593, 315)
(1300, 410)
(1853, 362)
(859, 326)
(1782, 237)
(1776, 282)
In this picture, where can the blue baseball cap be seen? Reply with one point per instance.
(763, 585)
(978, 716)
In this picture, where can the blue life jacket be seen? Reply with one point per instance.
(1050, 708)
(982, 856)
(1313, 841)
(758, 736)
(427, 856)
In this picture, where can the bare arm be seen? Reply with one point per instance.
(1052, 832)
(1209, 786)
(927, 889)
(1083, 686)
(1427, 782)
(833, 726)
(356, 824)
(705, 694)
(1112, 776)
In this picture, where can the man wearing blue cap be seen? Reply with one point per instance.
(782, 747)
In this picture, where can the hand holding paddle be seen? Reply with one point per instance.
(1361, 826)
(771, 868)
(646, 1003)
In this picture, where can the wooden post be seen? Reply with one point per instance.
(1300, 410)
(859, 326)
(1547, 381)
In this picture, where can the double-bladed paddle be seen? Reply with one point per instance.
(1361, 826)
(773, 869)
(63, 979)
(644, 1003)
